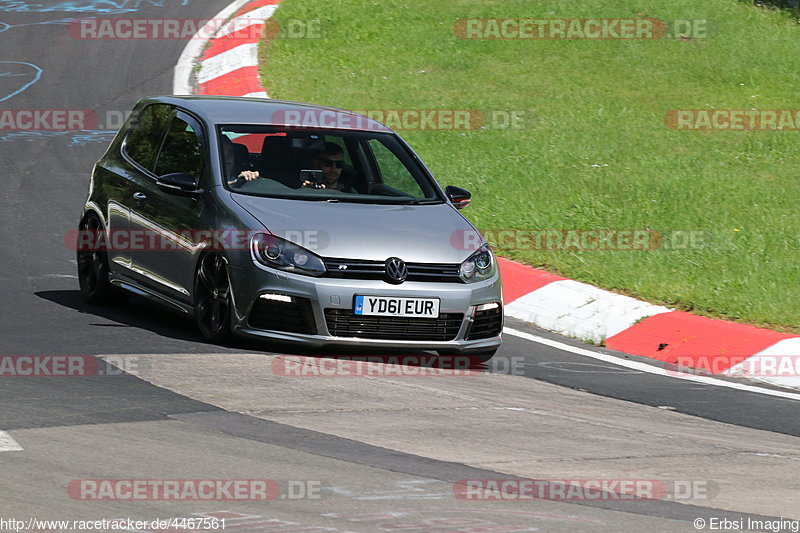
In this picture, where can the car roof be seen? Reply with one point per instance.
(263, 111)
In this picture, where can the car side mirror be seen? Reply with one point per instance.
(178, 183)
(460, 197)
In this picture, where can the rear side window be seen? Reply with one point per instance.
(143, 142)
(182, 151)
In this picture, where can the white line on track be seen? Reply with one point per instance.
(8, 444)
(650, 369)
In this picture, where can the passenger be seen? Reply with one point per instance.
(234, 166)
(331, 162)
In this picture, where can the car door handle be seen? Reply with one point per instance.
(139, 196)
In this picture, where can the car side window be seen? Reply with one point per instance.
(393, 172)
(183, 150)
(144, 140)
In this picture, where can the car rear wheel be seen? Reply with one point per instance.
(93, 265)
(212, 293)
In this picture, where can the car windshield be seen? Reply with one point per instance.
(322, 165)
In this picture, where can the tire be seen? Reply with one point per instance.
(93, 265)
(212, 298)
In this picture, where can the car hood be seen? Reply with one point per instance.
(415, 233)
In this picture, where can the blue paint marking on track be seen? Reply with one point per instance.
(85, 137)
(77, 6)
(4, 26)
(36, 76)
(79, 138)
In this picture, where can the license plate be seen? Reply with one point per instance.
(389, 306)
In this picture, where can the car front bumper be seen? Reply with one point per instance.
(333, 296)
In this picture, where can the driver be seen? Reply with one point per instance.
(233, 169)
(331, 162)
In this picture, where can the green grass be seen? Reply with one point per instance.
(598, 154)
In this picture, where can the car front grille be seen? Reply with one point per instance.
(487, 323)
(294, 316)
(344, 323)
(357, 269)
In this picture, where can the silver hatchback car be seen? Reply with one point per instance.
(290, 222)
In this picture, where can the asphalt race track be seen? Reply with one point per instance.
(370, 453)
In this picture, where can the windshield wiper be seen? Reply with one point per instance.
(420, 202)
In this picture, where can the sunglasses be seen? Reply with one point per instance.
(330, 162)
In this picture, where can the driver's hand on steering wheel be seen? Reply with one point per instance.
(249, 175)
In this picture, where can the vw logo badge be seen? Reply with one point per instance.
(396, 270)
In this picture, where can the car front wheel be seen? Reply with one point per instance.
(212, 296)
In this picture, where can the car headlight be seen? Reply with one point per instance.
(279, 253)
(479, 266)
